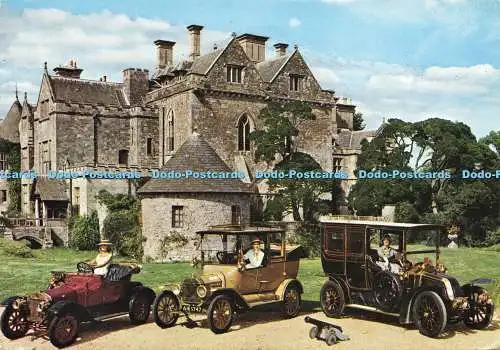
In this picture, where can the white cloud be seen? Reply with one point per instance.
(294, 22)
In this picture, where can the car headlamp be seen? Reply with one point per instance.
(201, 291)
(15, 304)
(176, 290)
(449, 289)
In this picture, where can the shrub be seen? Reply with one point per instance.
(16, 248)
(171, 241)
(308, 235)
(123, 230)
(85, 232)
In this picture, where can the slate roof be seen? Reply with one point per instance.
(348, 139)
(269, 68)
(202, 64)
(83, 91)
(195, 154)
(51, 190)
(9, 129)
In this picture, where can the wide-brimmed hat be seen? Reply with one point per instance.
(105, 242)
(256, 241)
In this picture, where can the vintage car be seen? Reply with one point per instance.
(227, 284)
(75, 297)
(418, 291)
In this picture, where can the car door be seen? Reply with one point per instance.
(356, 269)
(249, 282)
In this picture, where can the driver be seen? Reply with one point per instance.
(385, 252)
(254, 257)
(103, 258)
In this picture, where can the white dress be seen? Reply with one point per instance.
(103, 261)
(255, 259)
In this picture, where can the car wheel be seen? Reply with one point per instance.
(63, 330)
(139, 309)
(313, 333)
(166, 309)
(220, 314)
(479, 315)
(331, 339)
(332, 299)
(291, 301)
(429, 314)
(13, 322)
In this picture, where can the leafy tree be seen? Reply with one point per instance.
(358, 123)
(85, 232)
(493, 138)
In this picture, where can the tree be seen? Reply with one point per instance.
(493, 139)
(358, 123)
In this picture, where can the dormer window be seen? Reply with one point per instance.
(295, 82)
(234, 74)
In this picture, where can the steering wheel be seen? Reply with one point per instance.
(84, 267)
(227, 257)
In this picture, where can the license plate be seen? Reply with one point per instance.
(191, 308)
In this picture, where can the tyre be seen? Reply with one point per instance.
(13, 323)
(332, 299)
(291, 301)
(479, 315)
(331, 339)
(63, 330)
(220, 314)
(429, 314)
(139, 309)
(313, 333)
(166, 309)
(388, 291)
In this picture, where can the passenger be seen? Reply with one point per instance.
(103, 259)
(386, 252)
(254, 257)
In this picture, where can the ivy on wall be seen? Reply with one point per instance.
(12, 152)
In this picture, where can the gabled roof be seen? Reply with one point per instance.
(9, 129)
(83, 91)
(50, 190)
(348, 139)
(270, 69)
(196, 155)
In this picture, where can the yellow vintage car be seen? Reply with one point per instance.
(241, 267)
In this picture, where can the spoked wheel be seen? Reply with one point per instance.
(220, 314)
(429, 314)
(166, 309)
(139, 309)
(63, 330)
(313, 332)
(332, 299)
(291, 301)
(480, 313)
(331, 339)
(14, 323)
(388, 291)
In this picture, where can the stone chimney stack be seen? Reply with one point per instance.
(280, 49)
(135, 85)
(254, 46)
(164, 53)
(69, 70)
(194, 40)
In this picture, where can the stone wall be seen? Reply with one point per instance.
(200, 211)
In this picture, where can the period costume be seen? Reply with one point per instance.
(255, 258)
(103, 259)
(386, 253)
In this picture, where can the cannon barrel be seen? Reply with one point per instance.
(321, 324)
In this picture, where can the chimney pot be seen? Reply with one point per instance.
(194, 40)
(280, 49)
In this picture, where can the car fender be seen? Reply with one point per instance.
(282, 287)
(405, 312)
(63, 306)
(141, 290)
(234, 295)
(10, 300)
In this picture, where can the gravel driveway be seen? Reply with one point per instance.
(263, 329)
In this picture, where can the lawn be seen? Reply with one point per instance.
(23, 275)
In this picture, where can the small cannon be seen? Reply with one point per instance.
(328, 332)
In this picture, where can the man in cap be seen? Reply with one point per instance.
(254, 257)
(103, 259)
(385, 252)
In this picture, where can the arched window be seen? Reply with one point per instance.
(243, 134)
(168, 126)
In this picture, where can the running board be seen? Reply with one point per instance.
(110, 316)
(370, 308)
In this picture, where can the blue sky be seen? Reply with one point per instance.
(410, 59)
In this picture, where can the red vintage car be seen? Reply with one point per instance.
(76, 297)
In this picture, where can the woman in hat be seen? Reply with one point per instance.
(385, 252)
(103, 258)
(254, 257)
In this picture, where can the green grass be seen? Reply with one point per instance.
(24, 275)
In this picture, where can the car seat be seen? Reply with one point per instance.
(117, 272)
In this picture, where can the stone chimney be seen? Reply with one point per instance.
(280, 49)
(135, 85)
(69, 70)
(254, 46)
(194, 40)
(164, 53)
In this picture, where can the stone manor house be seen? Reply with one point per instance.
(195, 114)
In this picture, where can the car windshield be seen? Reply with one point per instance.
(224, 248)
(422, 241)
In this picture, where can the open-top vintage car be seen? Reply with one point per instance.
(75, 297)
(418, 291)
(228, 284)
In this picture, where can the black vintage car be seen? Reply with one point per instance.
(419, 292)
